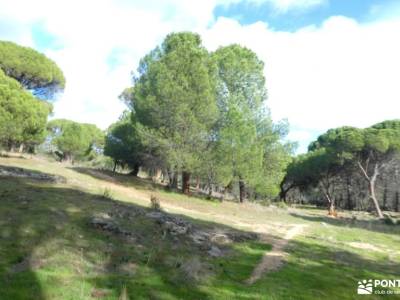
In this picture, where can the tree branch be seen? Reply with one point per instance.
(363, 171)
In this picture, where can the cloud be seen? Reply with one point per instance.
(339, 73)
(280, 6)
(342, 73)
(286, 5)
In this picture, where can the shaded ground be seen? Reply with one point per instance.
(51, 249)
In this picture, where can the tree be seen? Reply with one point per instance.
(75, 140)
(370, 150)
(241, 93)
(123, 144)
(24, 74)
(22, 117)
(316, 168)
(277, 156)
(33, 70)
(173, 100)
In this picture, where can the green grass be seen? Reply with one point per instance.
(48, 250)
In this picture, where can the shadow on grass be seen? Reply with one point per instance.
(375, 225)
(49, 249)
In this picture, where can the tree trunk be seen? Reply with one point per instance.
(384, 204)
(135, 170)
(68, 157)
(210, 190)
(397, 202)
(186, 183)
(332, 209)
(173, 179)
(227, 188)
(242, 190)
(331, 204)
(170, 175)
(371, 183)
(349, 204)
(21, 148)
(198, 183)
(223, 195)
(156, 174)
(115, 166)
(374, 200)
(283, 191)
(11, 147)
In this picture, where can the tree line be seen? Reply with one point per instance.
(199, 118)
(352, 163)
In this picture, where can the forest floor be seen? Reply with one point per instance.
(77, 233)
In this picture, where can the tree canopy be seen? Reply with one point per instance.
(123, 144)
(173, 98)
(367, 150)
(32, 69)
(246, 139)
(75, 140)
(22, 117)
(204, 114)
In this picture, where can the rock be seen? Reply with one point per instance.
(104, 224)
(205, 246)
(174, 229)
(215, 252)
(24, 173)
(200, 237)
(221, 238)
(156, 215)
(242, 236)
(170, 224)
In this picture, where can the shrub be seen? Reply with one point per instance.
(155, 203)
(107, 194)
(281, 204)
(389, 220)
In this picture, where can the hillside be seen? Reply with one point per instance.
(75, 233)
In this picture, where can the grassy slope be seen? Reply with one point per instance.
(44, 226)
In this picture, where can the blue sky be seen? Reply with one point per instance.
(292, 20)
(328, 63)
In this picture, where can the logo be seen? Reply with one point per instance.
(365, 287)
(379, 287)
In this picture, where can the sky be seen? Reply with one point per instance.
(328, 63)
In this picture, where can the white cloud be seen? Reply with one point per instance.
(281, 6)
(285, 5)
(342, 73)
(339, 73)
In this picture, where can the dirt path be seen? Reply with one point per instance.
(273, 260)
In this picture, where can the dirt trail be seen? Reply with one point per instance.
(273, 259)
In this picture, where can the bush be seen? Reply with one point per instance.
(281, 204)
(389, 220)
(107, 194)
(265, 202)
(155, 203)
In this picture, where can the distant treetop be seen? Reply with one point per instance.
(32, 69)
